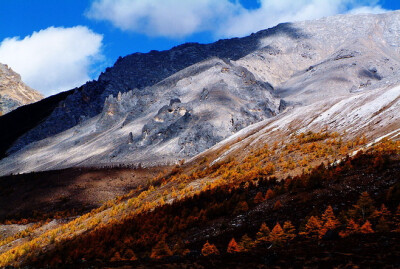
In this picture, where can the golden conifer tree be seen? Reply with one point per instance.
(263, 234)
(209, 249)
(233, 247)
(363, 208)
(246, 243)
(330, 216)
(160, 250)
(277, 205)
(289, 230)
(366, 228)
(312, 228)
(258, 198)
(329, 221)
(383, 212)
(270, 194)
(277, 235)
(352, 228)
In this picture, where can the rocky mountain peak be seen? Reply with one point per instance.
(13, 92)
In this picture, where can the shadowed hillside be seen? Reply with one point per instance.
(318, 211)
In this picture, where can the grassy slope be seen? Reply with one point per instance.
(257, 165)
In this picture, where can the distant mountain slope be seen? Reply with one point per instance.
(340, 73)
(137, 71)
(13, 92)
(181, 116)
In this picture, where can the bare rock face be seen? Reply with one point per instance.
(13, 92)
(138, 71)
(186, 113)
(341, 72)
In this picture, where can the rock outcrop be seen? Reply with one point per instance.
(13, 92)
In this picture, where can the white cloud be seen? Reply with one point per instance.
(272, 12)
(168, 18)
(365, 10)
(54, 59)
(224, 18)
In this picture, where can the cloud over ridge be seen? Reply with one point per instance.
(224, 18)
(168, 18)
(53, 59)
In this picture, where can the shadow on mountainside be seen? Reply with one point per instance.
(68, 192)
(62, 111)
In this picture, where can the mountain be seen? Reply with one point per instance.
(339, 72)
(13, 92)
(287, 156)
(134, 72)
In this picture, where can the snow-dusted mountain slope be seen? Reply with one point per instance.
(340, 73)
(373, 114)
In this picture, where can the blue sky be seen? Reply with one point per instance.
(58, 44)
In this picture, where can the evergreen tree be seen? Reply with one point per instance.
(270, 194)
(363, 208)
(330, 217)
(329, 221)
(352, 228)
(160, 250)
(241, 207)
(289, 230)
(366, 228)
(246, 243)
(277, 205)
(116, 257)
(130, 255)
(382, 213)
(259, 198)
(233, 247)
(383, 225)
(263, 234)
(209, 249)
(312, 228)
(179, 248)
(277, 235)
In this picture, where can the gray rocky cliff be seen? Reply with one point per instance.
(13, 92)
(137, 71)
